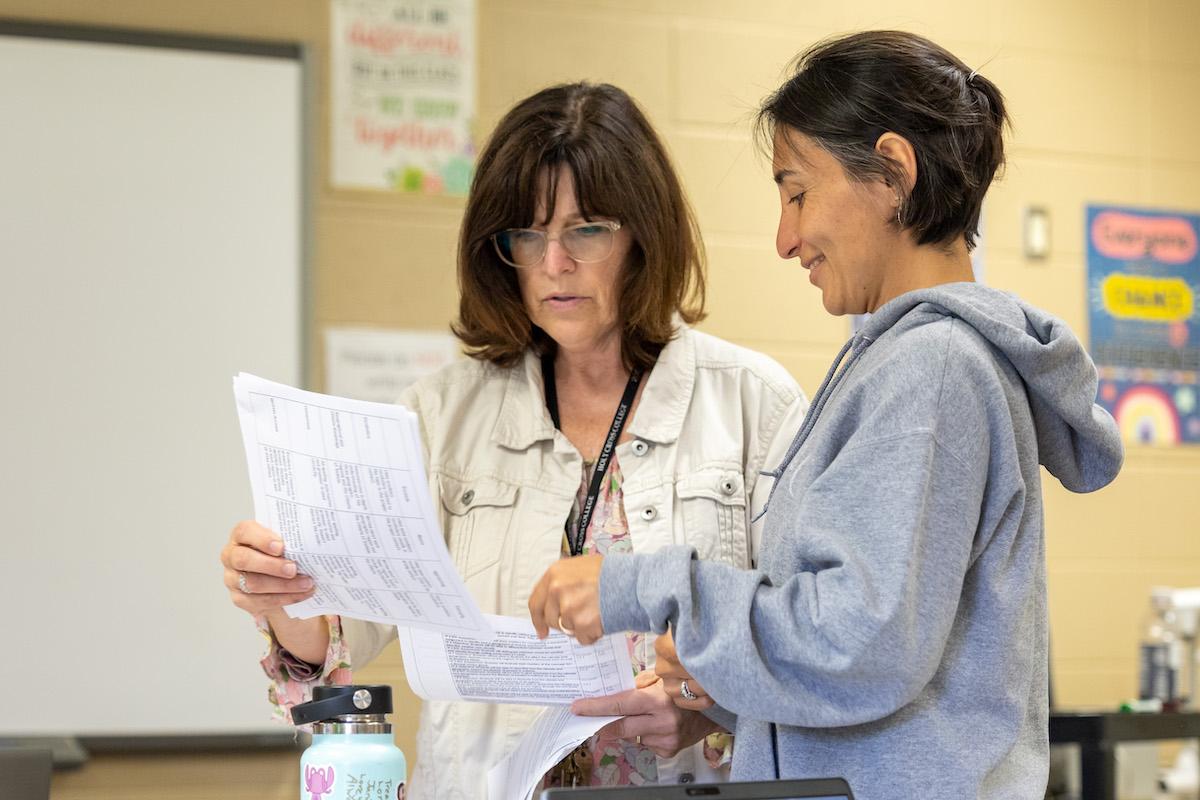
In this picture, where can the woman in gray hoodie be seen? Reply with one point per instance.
(893, 631)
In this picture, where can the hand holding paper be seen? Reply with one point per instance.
(343, 482)
(567, 597)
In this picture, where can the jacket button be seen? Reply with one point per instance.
(640, 448)
(468, 496)
(728, 486)
(649, 513)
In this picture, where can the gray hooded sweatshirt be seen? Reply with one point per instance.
(894, 630)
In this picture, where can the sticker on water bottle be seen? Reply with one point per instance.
(318, 780)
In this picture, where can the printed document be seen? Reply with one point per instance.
(343, 482)
(515, 667)
(553, 734)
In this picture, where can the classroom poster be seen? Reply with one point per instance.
(402, 75)
(1143, 278)
(378, 363)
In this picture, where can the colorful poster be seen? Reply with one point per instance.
(1143, 278)
(402, 78)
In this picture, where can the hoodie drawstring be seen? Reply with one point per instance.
(832, 379)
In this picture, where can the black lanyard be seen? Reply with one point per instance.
(602, 461)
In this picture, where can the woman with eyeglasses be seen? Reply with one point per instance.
(894, 630)
(590, 418)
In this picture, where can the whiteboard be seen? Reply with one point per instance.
(151, 246)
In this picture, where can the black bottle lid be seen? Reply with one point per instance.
(339, 701)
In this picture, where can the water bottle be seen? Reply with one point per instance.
(1159, 652)
(352, 755)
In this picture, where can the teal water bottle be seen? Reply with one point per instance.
(352, 755)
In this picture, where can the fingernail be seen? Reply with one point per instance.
(306, 583)
(276, 546)
(289, 569)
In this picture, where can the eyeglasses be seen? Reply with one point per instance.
(585, 243)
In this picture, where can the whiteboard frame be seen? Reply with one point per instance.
(67, 748)
(295, 51)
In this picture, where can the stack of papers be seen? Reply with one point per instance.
(343, 482)
(515, 667)
(554, 734)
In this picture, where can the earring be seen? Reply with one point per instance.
(899, 221)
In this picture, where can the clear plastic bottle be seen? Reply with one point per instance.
(1159, 652)
(1187, 625)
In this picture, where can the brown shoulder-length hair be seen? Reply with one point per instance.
(622, 172)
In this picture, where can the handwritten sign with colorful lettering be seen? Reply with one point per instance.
(402, 76)
(1143, 281)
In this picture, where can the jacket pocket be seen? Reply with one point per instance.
(713, 504)
(478, 515)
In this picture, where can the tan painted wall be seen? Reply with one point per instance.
(1105, 98)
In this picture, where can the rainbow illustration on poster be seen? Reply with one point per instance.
(1144, 321)
(1146, 415)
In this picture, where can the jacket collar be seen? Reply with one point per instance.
(668, 391)
(524, 420)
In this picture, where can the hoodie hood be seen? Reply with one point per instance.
(1078, 441)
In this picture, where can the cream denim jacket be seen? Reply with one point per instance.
(711, 416)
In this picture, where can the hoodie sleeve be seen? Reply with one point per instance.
(869, 564)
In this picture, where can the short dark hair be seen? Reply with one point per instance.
(621, 171)
(845, 92)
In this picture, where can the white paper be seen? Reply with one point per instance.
(553, 734)
(377, 364)
(515, 667)
(343, 482)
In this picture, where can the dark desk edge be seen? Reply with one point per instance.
(1096, 727)
(73, 751)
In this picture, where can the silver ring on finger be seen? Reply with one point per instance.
(687, 692)
(242, 583)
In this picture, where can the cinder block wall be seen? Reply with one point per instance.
(1105, 98)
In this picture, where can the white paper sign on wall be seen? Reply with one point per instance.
(378, 363)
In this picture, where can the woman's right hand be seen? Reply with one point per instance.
(260, 579)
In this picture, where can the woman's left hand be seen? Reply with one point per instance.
(648, 716)
(568, 598)
(674, 675)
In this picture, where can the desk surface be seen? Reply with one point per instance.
(1102, 726)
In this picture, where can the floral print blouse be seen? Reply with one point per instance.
(613, 761)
